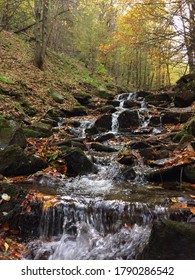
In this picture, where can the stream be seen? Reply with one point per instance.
(104, 215)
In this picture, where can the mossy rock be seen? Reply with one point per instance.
(105, 94)
(82, 98)
(14, 162)
(38, 130)
(11, 133)
(57, 97)
(107, 109)
(170, 240)
(30, 133)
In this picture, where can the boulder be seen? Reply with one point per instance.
(127, 173)
(82, 98)
(105, 137)
(128, 159)
(57, 97)
(77, 162)
(14, 162)
(128, 120)
(11, 133)
(102, 148)
(131, 104)
(75, 111)
(38, 130)
(104, 123)
(185, 91)
(114, 103)
(158, 99)
(189, 172)
(107, 109)
(175, 117)
(105, 94)
(170, 240)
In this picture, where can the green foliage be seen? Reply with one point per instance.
(5, 80)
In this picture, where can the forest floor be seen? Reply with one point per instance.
(24, 88)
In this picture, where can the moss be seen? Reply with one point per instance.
(30, 133)
(57, 97)
(5, 80)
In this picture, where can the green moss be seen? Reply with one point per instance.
(57, 97)
(30, 133)
(5, 80)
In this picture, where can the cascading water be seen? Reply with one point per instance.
(102, 215)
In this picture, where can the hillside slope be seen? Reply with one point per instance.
(24, 89)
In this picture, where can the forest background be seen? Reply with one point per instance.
(143, 44)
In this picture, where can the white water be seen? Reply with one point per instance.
(90, 244)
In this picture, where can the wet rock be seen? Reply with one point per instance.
(77, 162)
(102, 148)
(143, 94)
(182, 172)
(14, 162)
(158, 99)
(128, 173)
(91, 131)
(128, 120)
(155, 121)
(11, 133)
(175, 117)
(114, 103)
(128, 159)
(189, 172)
(103, 123)
(154, 153)
(170, 240)
(75, 111)
(105, 137)
(184, 98)
(140, 145)
(107, 109)
(82, 98)
(131, 104)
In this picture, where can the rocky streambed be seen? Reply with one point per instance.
(118, 184)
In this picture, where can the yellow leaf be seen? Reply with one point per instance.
(6, 246)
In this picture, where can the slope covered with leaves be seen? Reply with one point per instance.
(24, 88)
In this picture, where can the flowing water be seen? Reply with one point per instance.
(102, 215)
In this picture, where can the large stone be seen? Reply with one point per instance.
(38, 130)
(128, 120)
(77, 162)
(82, 98)
(185, 91)
(170, 240)
(57, 97)
(189, 172)
(11, 133)
(14, 162)
(103, 123)
(175, 117)
(158, 99)
(102, 148)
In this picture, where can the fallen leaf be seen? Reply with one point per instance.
(5, 197)
(6, 246)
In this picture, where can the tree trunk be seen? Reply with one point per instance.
(41, 9)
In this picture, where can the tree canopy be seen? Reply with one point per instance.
(141, 43)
